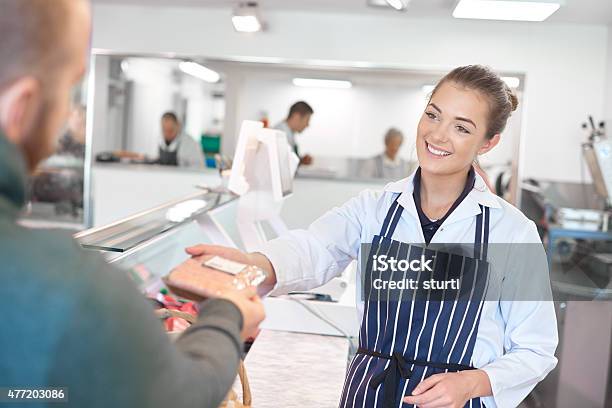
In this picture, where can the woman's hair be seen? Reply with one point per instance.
(502, 100)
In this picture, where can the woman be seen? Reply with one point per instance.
(424, 352)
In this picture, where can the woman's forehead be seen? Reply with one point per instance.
(458, 101)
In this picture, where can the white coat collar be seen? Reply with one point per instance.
(469, 207)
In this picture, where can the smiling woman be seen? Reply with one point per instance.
(456, 126)
(466, 113)
(416, 351)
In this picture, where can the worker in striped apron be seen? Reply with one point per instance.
(439, 348)
(406, 338)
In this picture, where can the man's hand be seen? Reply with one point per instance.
(193, 281)
(450, 390)
(250, 306)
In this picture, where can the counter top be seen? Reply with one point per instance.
(296, 370)
(154, 167)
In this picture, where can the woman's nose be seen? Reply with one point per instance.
(438, 135)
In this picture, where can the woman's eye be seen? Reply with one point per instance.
(430, 115)
(462, 129)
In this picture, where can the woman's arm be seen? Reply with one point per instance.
(305, 259)
(529, 321)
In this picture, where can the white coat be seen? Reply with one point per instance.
(516, 341)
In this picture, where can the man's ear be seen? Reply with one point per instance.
(19, 104)
(489, 144)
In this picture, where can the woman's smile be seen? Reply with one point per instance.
(436, 151)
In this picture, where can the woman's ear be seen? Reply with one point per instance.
(489, 144)
(19, 104)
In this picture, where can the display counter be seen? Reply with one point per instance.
(150, 243)
(303, 342)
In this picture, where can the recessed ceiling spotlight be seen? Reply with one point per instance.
(246, 18)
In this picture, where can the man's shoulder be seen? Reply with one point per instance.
(188, 140)
(50, 254)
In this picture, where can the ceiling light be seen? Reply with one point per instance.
(321, 83)
(399, 5)
(512, 82)
(246, 18)
(199, 71)
(516, 10)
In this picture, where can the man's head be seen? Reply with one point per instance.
(170, 126)
(43, 55)
(299, 116)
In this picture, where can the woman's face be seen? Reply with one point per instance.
(451, 132)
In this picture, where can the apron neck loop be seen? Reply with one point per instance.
(391, 219)
(481, 234)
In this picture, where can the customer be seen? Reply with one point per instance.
(68, 319)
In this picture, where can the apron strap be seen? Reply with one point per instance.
(481, 234)
(391, 219)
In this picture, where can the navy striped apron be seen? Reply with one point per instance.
(408, 337)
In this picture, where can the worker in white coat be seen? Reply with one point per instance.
(474, 349)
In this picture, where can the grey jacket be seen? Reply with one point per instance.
(69, 320)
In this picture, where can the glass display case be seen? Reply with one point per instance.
(149, 244)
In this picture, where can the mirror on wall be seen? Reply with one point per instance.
(132, 95)
(363, 125)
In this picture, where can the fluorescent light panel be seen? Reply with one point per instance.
(516, 10)
(322, 83)
(199, 71)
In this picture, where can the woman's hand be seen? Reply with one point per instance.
(203, 251)
(450, 390)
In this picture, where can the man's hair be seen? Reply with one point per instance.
(301, 108)
(171, 116)
(31, 38)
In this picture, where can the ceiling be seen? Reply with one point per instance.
(574, 11)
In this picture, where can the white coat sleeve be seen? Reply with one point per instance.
(306, 259)
(190, 153)
(530, 324)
